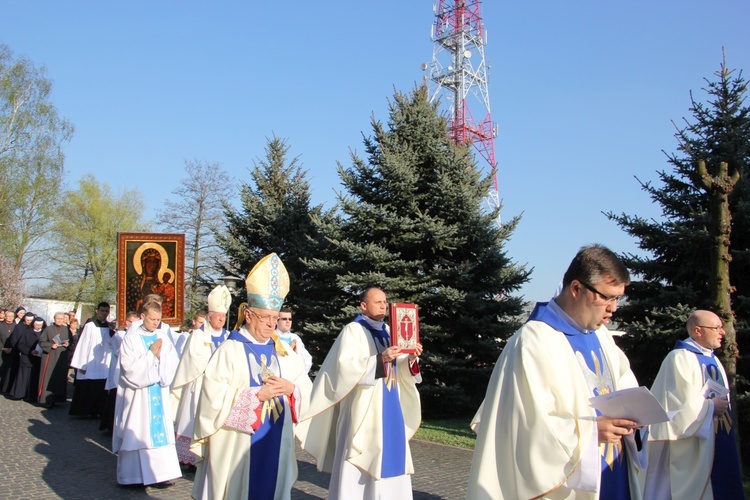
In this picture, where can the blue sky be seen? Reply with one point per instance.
(584, 93)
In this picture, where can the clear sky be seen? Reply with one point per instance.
(584, 93)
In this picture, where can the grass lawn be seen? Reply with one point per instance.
(453, 432)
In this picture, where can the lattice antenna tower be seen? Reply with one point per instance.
(459, 73)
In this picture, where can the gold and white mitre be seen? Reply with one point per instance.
(267, 283)
(219, 299)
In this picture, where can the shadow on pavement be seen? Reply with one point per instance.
(77, 464)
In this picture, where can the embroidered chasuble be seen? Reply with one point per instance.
(247, 446)
(394, 432)
(262, 362)
(726, 475)
(595, 368)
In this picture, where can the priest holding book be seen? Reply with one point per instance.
(364, 409)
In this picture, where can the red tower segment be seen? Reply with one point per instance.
(459, 71)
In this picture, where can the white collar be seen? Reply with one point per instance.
(210, 331)
(566, 317)
(246, 334)
(704, 350)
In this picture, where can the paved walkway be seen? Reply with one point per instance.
(44, 453)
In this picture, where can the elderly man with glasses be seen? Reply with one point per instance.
(695, 454)
(254, 388)
(537, 434)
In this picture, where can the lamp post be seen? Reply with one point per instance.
(231, 283)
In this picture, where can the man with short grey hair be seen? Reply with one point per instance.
(695, 454)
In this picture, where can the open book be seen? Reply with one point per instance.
(635, 403)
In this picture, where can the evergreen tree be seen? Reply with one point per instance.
(275, 216)
(413, 224)
(678, 271)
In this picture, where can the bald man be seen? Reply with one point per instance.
(695, 454)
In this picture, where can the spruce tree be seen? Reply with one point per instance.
(274, 216)
(412, 223)
(681, 267)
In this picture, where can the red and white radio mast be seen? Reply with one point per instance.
(459, 71)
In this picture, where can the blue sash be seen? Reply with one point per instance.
(265, 442)
(156, 408)
(218, 339)
(394, 430)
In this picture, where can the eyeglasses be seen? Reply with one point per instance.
(717, 328)
(267, 317)
(616, 299)
(285, 319)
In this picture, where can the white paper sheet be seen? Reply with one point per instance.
(635, 403)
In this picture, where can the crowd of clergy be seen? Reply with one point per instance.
(229, 404)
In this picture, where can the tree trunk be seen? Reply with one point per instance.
(718, 188)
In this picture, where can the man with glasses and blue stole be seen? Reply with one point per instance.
(364, 409)
(253, 392)
(695, 454)
(537, 434)
(143, 437)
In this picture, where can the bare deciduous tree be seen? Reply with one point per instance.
(197, 211)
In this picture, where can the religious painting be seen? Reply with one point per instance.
(151, 263)
(404, 326)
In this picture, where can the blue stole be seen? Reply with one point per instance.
(586, 346)
(219, 338)
(726, 475)
(394, 431)
(265, 442)
(156, 408)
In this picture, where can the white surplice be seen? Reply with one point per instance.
(93, 353)
(113, 376)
